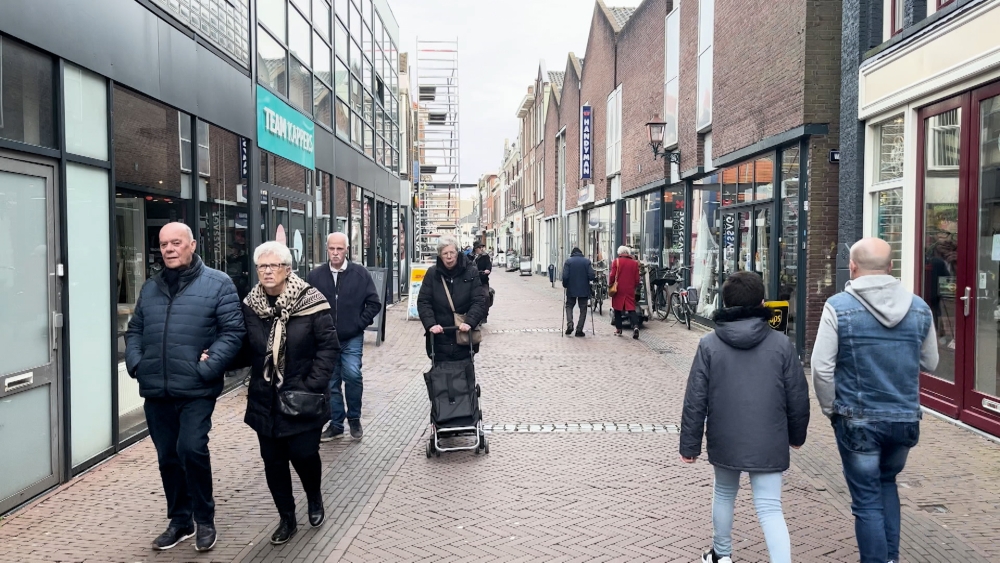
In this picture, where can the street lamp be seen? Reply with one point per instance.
(655, 130)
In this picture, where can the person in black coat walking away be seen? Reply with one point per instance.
(292, 347)
(577, 275)
(354, 304)
(748, 382)
(186, 329)
(454, 277)
(485, 265)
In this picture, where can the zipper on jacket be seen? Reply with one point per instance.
(166, 324)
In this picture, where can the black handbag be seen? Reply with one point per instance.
(303, 404)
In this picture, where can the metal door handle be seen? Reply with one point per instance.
(57, 324)
(966, 299)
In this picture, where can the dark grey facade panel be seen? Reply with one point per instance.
(324, 150)
(124, 41)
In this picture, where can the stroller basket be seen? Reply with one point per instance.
(454, 398)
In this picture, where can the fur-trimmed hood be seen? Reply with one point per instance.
(742, 327)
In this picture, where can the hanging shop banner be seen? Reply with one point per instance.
(586, 126)
(284, 131)
(417, 273)
(779, 315)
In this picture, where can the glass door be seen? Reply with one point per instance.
(982, 395)
(290, 222)
(946, 280)
(30, 335)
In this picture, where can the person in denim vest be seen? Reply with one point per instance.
(873, 340)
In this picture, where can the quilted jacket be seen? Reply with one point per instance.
(167, 335)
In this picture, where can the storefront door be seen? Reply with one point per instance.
(30, 336)
(746, 243)
(960, 235)
(290, 222)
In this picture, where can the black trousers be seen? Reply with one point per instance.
(584, 303)
(633, 318)
(302, 450)
(179, 430)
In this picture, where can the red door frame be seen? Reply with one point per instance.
(935, 392)
(973, 412)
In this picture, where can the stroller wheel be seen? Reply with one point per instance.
(477, 390)
(430, 449)
(486, 446)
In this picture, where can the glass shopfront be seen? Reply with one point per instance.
(674, 217)
(705, 227)
(600, 236)
(643, 227)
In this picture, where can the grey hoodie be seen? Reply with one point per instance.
(888, 301)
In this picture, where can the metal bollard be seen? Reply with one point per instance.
(552, 274)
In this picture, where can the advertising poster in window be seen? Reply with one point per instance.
(417, 273)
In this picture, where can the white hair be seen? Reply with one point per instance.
(274, 248)
(347, 239)
(445, 242)
(624, 250)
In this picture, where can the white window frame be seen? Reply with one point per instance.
(876, 188)
(706, 42)
(671, 76)
(613, 133)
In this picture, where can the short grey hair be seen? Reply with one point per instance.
(445, 242)
(275, 248)
(624, 250)
(347, 239)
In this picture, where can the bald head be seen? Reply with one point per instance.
(870, 256)
(177, 245)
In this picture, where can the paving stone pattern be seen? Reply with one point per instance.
(583, 467)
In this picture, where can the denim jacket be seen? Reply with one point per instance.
(872, 342)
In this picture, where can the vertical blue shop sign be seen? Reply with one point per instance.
(585, 142)
(283, 131)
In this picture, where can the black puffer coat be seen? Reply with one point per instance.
(748, 382)
(167, 335)
(432, 304)
(311, 350)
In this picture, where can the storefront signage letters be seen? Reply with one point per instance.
(586, 116)
(283, 130)
(244, 158)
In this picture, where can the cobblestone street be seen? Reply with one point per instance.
(583, 466)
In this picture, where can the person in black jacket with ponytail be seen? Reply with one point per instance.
(292, 347)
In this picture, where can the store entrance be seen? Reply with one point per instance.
(746, 243)
(30, 336)
(959, 187)
(290, 221)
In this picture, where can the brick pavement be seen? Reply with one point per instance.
(585, 493)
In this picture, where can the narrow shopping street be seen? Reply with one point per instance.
(583, 466)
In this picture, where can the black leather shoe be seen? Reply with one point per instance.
(317, 515)
(286, 529)
(205, 538)
(579, 333)
(172, 536)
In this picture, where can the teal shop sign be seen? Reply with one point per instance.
(283, 131)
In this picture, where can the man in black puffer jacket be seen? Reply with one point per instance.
(186, 329)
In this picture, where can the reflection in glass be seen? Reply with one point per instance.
(271, 63)
(788, 243)
(321, 17)
(272, 14)
(322, 64)
(673, 227)
(222, 227)
(705, 219)
(323, 100)
(356, 226)
(988, 304)
(763, 170)
(941, 232)
(299, 37)
(762, 239)
(300, 86)
(343, 117)
(26, 94)
(890, 150)
(889, 224)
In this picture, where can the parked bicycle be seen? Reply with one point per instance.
(599, 291)
(681, 302)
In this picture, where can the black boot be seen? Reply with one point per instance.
(317, 515)
(569, 327)
(285, 530)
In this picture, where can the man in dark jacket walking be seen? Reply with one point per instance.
(186, 329)
(874, 338)
(354, 304)
(747, 381)
(485, 265)
(577, 274)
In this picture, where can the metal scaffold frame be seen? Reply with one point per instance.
(438, 191)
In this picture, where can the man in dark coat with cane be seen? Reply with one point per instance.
(577, 275)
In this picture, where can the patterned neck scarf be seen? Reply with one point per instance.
(299, 299)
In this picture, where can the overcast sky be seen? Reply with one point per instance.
(500, 43)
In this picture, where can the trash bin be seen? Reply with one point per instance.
(525, 266)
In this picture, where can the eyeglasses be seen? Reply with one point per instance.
(270, 267)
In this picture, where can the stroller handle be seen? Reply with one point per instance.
(444, 329)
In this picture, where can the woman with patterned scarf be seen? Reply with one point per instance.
(292, 347)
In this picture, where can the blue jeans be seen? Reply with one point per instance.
(348, 372)
(873, 453)
(767, 502)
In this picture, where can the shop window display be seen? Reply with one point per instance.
(788, 245)
(673, 228)
(222, 229)
(705, 223)
(600, 236)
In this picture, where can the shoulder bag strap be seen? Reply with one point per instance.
(448, 293)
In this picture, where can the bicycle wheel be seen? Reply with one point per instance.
(677, 308)
(688, 313)
(660, 308)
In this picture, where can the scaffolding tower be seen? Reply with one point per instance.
(438, 191)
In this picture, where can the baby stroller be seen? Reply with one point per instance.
(454, 395)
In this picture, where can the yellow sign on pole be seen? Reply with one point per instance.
(779, 316)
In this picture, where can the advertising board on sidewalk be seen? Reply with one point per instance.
(417, 273)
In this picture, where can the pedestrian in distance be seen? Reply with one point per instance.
(873, 340)
(450, 286)
(186, 329)
(747, 383)
(292, 348)
(624, 272)
(577, 275)
(485, 265)
(354, 304)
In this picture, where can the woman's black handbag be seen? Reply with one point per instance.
(303, 404)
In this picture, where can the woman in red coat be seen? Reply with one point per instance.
(625, 271)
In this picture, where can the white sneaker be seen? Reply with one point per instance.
(709, 556)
